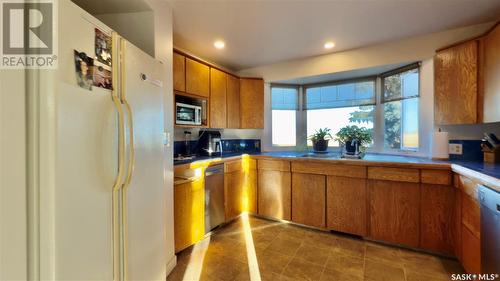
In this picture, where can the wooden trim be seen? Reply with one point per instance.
(442, 177)
(329, 169)
(200, 60)
(394, 174)
(274, 165)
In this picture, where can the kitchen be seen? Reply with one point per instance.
(189, 140)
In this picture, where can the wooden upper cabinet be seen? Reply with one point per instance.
(309, 199)
(197, 78)
(251, 103)
(491, 74)
(456, 84)
(218, 89)
(179, 62)
(233, 102)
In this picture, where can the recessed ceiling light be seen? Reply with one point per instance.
(329, 45)
(219, 44)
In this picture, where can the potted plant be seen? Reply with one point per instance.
(354, 138)
(320, 139)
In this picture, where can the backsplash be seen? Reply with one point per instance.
(471, 151)
(229, 146)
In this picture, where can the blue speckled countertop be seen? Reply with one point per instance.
(492, 170)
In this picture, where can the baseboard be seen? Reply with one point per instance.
(171, 264)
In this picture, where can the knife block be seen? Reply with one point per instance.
(492, 157)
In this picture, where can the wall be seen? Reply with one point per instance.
(470, 132)
(13, 175)
(421, 48)
(135, 27)
(226, 133)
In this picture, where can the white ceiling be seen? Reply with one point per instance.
(97, 7)
(268, 31)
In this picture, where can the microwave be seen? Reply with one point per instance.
(188, 114)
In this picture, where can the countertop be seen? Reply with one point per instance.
(488, 174)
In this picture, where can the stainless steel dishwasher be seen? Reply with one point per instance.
(214, 197)
(490, 230)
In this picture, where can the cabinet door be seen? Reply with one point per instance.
(437, 222)
(189, 213)
(394, 211)
(308, 199)
(491, 72)
(346, 205)
(455, 84)
(240, 193)
(232, 183)
(179, 62)
(471, 251)
(217, 98)
(233, 102)
(197, 78)
(274, 194)
(251, 103)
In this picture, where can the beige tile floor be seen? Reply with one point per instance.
(256, 249)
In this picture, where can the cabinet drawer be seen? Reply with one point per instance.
(394, 174)
(436, 177)
(274, 165)
(329, 169)
(233, 166)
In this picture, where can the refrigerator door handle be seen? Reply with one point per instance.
(130, 117)
(117, 241)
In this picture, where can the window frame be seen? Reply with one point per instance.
(378, 118)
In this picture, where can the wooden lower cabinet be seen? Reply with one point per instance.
(189, 213)
(240, 189)
(437, 221)
(394, 211)
(471, 251)
(471, 233)
(309, 199)
(274, 194)
(346, 205)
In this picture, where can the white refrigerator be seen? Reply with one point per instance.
(102, 197)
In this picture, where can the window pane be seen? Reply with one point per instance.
(401, 85)
(336, 118)
(401, 124)
(284, 132)
(347, 94)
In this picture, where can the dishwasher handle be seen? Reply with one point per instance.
(214, 170)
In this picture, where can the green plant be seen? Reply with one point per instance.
(321, 134)
(349, 133)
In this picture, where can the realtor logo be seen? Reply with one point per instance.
(28, 34)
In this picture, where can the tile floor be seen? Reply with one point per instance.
(256, 249)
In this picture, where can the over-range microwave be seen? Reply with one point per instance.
(188, 114)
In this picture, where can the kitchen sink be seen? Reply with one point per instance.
(331, 155)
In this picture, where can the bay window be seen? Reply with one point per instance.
(387, 105)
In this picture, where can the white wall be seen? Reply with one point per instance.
(421, 48)
(13, 173)
(163, 49)
(135, 27)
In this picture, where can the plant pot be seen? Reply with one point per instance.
(350, 148)
(320, 145)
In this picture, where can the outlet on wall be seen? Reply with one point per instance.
(455, 148)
